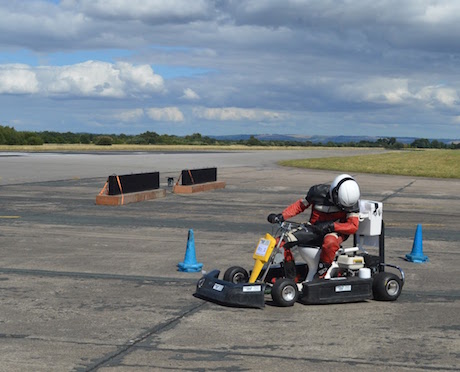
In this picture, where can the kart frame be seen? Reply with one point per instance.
(317, 291)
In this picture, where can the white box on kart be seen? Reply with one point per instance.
(370, 218)
(352, 263)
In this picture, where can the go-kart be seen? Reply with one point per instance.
(355, 275)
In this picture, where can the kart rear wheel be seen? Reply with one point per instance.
(236, 274)
(285, 292)
(386, 287)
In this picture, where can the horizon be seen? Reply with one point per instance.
(290, 137)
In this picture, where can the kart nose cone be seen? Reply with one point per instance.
(211, 288)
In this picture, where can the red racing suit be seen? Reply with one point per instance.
(345, 220)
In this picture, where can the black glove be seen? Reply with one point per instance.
(323, 228)
(312, 228)
(274, 218)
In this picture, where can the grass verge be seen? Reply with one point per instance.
(423, 163)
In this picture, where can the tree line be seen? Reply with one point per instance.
(10, 136)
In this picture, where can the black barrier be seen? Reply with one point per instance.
(134, 183)
(196, 176)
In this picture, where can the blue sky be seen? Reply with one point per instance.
(380, 68)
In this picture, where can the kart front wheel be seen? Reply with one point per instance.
(285, 292)
(236, 274)
(386, 287)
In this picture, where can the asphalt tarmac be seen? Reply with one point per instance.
(86, 287)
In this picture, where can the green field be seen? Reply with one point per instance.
(421, 163)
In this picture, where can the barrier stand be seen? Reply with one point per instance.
(103, 198)
(202, 181)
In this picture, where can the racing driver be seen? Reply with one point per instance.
(334, 216)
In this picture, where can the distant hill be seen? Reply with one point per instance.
(322, 139)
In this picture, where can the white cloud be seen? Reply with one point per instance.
(129, 115)
(139, 78)
(87, 79)
(433, 95)
(236, 114)
(165, 114)
(441, 13)
(190, 94)
(377, 90)
(17, 79)
(155, 10)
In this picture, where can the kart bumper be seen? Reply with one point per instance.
(211, 288)
(336, 290)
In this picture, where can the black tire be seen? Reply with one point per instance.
(236, 274)
(386, 287)
(285, 292)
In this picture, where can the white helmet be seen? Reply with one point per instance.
(344, 191)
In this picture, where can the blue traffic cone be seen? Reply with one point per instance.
(190, 265)
(417, 255)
